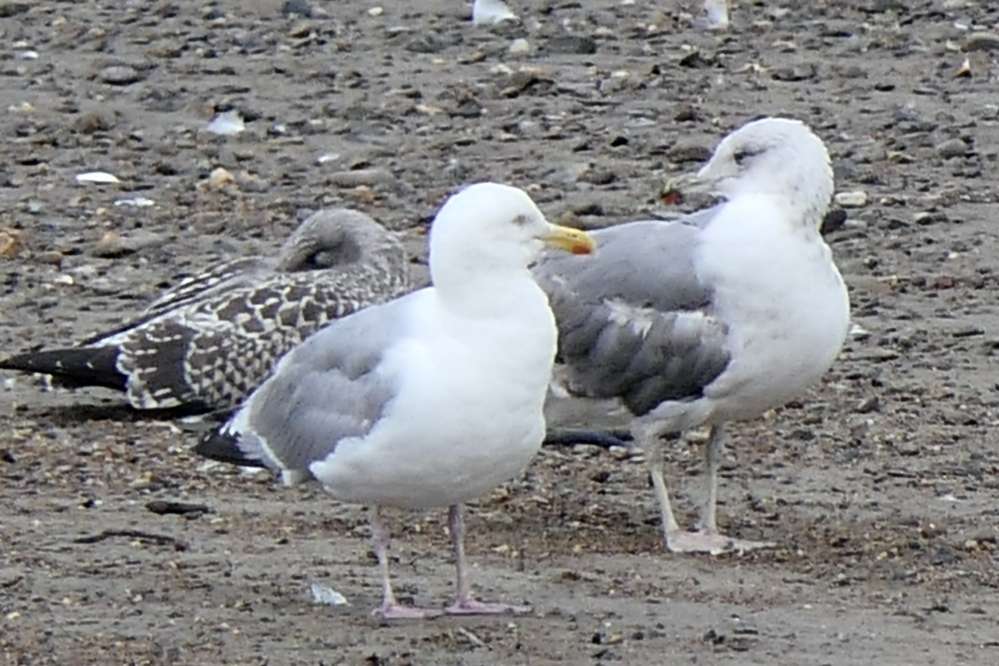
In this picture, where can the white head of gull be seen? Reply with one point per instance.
(429, 400)
(718, 316)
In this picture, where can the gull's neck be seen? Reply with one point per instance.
(487, 293)
(806, 205)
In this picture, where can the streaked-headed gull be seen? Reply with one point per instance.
(716, 317)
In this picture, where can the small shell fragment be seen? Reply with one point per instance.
(138, 202)
(520, 46)
(716, 14)
(326, 595)
(229, 123)
(491, 12)
(97, 177)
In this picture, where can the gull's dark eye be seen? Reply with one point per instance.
(321, 260)
(521, 220)
(743, 154)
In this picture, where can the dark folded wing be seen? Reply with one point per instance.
(635, 321)
(214, 353)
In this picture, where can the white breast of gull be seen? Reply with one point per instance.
(715, 317)
(428, 400)
(209, 341)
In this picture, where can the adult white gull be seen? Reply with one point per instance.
(716, 317)
(428, 400)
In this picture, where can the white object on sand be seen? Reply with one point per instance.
(716, 14)
(100, 177)
(491, 12)
(327, 596)
(228, 123)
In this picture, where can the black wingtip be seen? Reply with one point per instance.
(606, 439)
(224, 447)
(74, 368)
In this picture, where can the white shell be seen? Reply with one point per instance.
(138, 202)
(97, 177)
(490, 12)
(229, 123)
(326, 595)
(716, 14)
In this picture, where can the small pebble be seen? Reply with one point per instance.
(120, 75)
(95, 121)
(218, 179)
(249, 182)
(109, 245)
(952, 148)
(520, 46)
(982, 41)
(868, 405)
(112, 244)
(356, 177)
(622, 452)
(834, 219)
(12, 9)
(300, 30)
(689, 152)
(855, 199)
(299, 7)
(11, 243)
(51, 257)
(572, 44)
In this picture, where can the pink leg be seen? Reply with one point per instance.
(464, 604)
(390, 608)
(707, 538)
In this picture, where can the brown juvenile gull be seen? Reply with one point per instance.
(209, 341)
(429, 400)
(715, 317)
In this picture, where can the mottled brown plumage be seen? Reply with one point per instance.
(209, 341)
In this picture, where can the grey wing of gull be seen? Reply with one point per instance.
(329, 388)
(213, 353)
(635, 322)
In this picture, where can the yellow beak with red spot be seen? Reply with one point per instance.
(569, 239)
